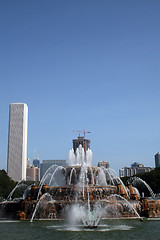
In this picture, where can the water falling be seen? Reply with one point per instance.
(19, 184)
(80, 157)
(117, 198)
(137, 179)
(45, 197)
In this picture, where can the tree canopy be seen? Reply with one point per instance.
(6, 184)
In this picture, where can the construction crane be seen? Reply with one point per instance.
(84, 132)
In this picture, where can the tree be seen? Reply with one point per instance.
(6, 184)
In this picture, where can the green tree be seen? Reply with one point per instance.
(6, 184)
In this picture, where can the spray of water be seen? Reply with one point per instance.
(137, 179)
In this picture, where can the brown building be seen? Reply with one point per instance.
(103, 164)
(81, 141)
(33, 173)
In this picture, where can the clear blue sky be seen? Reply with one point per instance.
(84, 64)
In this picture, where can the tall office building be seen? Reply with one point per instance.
(33, 173)
(36, 163)
(157, 160)
(17, 141)
(81, 141)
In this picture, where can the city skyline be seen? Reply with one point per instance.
(83, 65)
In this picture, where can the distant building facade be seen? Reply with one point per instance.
(28, 162)
(135, 168)
(157, 160)
(81, 141)
(33, 173)
(36, 163)
(46, 164)
(103, 164)
(17, 141)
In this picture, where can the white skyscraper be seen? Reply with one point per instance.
(17, 141)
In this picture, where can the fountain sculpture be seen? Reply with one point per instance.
(79, 192)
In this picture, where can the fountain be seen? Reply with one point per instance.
(79, 192)
(83, 189)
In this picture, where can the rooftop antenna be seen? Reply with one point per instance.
(84, 131)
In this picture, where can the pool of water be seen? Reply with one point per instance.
(57, 230)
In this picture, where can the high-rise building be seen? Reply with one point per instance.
(17, 141)
(81, 141)
(157, 160)
(36, 163)
(33, 173)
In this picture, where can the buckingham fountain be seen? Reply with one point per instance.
(80, 192)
